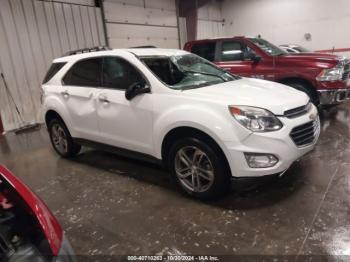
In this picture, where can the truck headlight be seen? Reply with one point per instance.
(332, 74)
(256, 119)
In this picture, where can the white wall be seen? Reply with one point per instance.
(286, 21)
(141, 22)
(210, 22)
(32, 34)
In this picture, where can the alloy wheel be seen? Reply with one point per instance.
(194, 169)
(59, 138)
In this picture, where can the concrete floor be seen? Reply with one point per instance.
(116, 206)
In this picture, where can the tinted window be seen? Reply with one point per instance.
(267, 47)
(231, 51)
(205, 50)
(119, 74)
(54, 68)
(85, 73)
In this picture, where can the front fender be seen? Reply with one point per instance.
(217, 125)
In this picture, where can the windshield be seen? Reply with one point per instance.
(267, 47)
(302, 49)
(186, 71)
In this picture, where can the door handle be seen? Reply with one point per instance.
(103, 99)
(65, 94)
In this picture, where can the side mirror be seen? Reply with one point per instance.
(136, 89)
(252, 56)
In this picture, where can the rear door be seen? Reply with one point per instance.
(80, 86)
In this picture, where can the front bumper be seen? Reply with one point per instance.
(278, 143)
(333, 97)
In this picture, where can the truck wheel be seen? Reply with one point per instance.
(305, 89)
(198, 168)
(61, 139)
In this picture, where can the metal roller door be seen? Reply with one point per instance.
(142, 22)
(32, 34)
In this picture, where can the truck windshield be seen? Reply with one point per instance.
(186, 71)
(267, 47)
(302, 49)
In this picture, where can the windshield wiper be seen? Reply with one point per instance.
(204, 73)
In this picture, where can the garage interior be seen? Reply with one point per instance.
(114, 206)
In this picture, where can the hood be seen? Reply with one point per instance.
(275, 97)
(310, 59)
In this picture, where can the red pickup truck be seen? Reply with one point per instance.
(323, 77)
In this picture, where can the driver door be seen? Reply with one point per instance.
(231, 58)
(123, 123)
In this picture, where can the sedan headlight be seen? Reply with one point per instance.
(332, 74)
(256, 119)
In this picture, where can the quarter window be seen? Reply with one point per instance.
(85, 73)
(119, 74)
(54, 68)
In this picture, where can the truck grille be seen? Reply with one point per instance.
(305, 134)
(346, 71)
(298, 111)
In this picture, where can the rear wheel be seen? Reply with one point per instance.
(61, 139)
(198, 168)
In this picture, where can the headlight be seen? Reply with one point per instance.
(255, 119)
(332, 74)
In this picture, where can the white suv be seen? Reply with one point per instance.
(205, 124)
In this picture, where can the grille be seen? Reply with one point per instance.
(305, 134)
(298, 111)
(346, 72)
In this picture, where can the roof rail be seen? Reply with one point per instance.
(144, 46)
(87, 50)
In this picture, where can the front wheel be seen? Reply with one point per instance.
(199, 169)
(61, 139)
(303, 88)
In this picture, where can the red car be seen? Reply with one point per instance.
(28, 229)
(323, 77)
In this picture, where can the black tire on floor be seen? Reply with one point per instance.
(221, 173)
(71, 148)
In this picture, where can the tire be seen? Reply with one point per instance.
(305, 89)
(61, 139)
(209, 168)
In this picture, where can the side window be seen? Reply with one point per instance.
(232, 51)
(53, 70)
(119, 74)
(86, 72)
(205, 50)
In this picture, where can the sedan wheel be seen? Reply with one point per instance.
(194, 169)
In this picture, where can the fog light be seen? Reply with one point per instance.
(256, 160)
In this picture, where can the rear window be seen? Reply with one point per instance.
(205, 50)
(54, 68)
